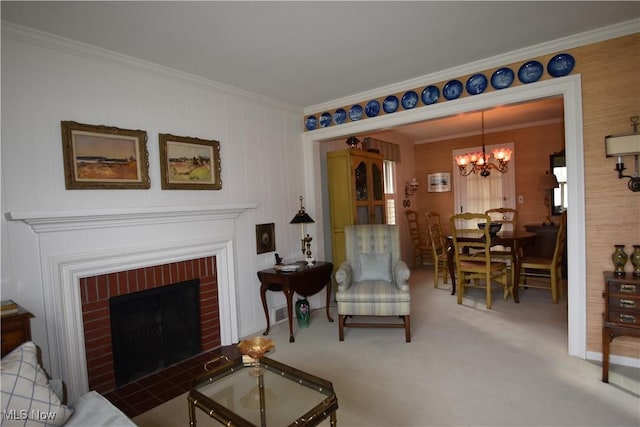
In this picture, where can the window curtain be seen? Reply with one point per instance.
(484, 193)
(389, 150)
(474, 193)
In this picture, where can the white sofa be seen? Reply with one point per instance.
(29, 398)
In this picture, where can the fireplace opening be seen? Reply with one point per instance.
(155, 328)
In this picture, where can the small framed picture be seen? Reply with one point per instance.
(265, 238)
(438, 182)
(104, 157)
(189, 163)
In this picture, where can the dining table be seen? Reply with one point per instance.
(515, 240)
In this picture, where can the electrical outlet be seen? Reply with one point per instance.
(520, 199)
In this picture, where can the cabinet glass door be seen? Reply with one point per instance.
(361, 182)
(362, 215)
(378, 213)
(378, 192)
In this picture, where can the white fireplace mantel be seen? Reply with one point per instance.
(61, 220)
(128, 239)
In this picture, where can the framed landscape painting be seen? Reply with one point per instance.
(189, 163)
(104, 157)
(438, 182)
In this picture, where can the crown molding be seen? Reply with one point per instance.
(61, 44)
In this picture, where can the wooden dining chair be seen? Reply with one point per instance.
(472, 256)
(508, 217)
(546, 273)
(421, 247)
(438, 248)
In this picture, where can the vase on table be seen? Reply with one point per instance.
(619, 258)
(635, 260)
(303, 312)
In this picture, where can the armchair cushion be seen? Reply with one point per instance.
(375, 267)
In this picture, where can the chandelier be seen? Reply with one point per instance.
(480, 162)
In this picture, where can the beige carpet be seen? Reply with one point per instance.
(465, 366)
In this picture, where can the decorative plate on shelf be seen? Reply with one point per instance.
(325, 120)
(476, 84)
(409, 100)
(502, 78)
(355, 113)
(430, 95)
(339, 116)
(311, 122)
(390, 104)
(561, 65)
(530, 72)
(372, 108)
(452, 90)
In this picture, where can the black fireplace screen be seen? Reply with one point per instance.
(155, 328)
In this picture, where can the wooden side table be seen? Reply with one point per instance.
(306, 281)
(16, 329)
(621, 312)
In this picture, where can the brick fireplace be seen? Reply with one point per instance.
(87, 255)
(95, 292)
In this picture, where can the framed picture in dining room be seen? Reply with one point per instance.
(188, 163)
(439, 182)
(104, 157)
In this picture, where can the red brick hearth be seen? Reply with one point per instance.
(95, 293)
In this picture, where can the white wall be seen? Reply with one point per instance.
(46, 80)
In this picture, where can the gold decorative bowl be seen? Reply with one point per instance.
(256, 347)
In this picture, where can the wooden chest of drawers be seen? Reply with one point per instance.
(16, 329)
(621, 312)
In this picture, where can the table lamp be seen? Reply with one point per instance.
(548, 182)
(303, 218)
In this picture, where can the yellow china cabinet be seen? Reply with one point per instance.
(356, 193)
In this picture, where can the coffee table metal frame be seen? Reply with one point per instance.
(326, 407)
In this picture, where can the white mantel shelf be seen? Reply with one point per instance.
(67, 220)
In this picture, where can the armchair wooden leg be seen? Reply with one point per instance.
(341, 327)
(407, 328)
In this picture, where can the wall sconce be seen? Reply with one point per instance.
(626, 145)
(303, 218)
(410, 188)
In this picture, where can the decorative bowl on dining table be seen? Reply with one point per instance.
(494, 227)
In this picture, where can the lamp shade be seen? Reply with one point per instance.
(301, 218)
(622, 145)
(549, 181)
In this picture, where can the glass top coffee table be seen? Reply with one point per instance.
(233, 394)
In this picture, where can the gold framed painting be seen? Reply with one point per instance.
(189, 163)
(104, 157)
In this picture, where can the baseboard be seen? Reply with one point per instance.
(616, 360)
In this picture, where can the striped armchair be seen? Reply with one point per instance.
(373, 279)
